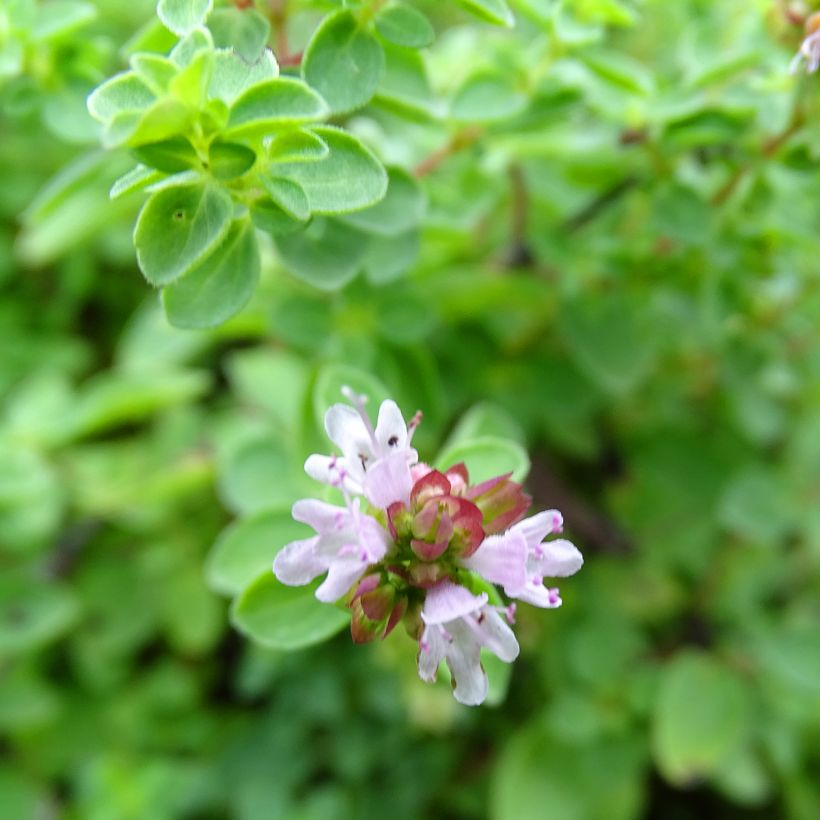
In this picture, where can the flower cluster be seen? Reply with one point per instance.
(415, 545)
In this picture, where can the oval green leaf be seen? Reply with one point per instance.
(268, 105)
(178, 227)
(183, 16)
(285, 618)
(487, 457)
(405, 26)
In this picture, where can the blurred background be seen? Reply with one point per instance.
(618, 269)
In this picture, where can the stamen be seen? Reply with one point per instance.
(358, 400)
(412, 424)
(424, 646)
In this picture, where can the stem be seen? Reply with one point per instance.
(599, 204)
(518, 253)
(460, 140)
(279, 20)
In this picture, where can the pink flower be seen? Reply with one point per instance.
(809, 48)
(520, 559)
(457, 624)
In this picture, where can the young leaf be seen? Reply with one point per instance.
(405, 26)
(244, 31)
(136, 179)
(281, 617)
(178, 227)
(297, 145)
(348, 179)
(228, 160)
(265, 106)
(220, 286)
(343, 62)
(232, 75)
(183, 16)
(124, 92)
(170, 156)
(155, 71)
(288, 196)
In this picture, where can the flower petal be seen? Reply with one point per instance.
(320, 515)
(327, 469)
(432, 648)
(297, 563)
(470, 683)
(391, 430)
(447, 601)
(539, 595)
(537, 527)
(497, 636)
(388, 480)
(559, 559)
(501, 559)
(341, 576)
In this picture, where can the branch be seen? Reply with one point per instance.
(599, 205)
(458, 142)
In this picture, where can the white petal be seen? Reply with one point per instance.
(348, 431)
(501, 559)
(464, 660)
(323, 517)
(537, 527)
(374, 538)
(341, 576)
(391, 430)
(539, 595)
(560, 559)
(497, 636)
(432, 649)
(447, 601)
(387, 480)
(297, 563)
(321, 468)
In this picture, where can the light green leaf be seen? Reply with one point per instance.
(266, 106)
(405, 26)
(232, 75)
(183, 16)
(487, 96)
(135, 180)
(388, 257)
(487, 457)
(61, 17)
(246, 549)
(327, 254)
(178, 227)
(343, 62)
(701, 717)
(401, 210)
(244, 31)
(273, 219)
(155, 71)
(333, 377)
(348, 179)
(189, 47)
(297, 145)
(220, 286)
(493, 11)
(169, 156)
(228, 160)
(123, 93)
(286, 618)
(288, 196)
(405, 87)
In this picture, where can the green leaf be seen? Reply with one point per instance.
(405, 26)
(348, 179)
(190, 86)
(228, 160)
(401, 209)
(405, 88)
(155, 71)
(288, 196)
(259, 474)
(233, 76)
(388, 257)
(61, 17)
(135, 180)
(297, 145)
(123, 93)
(266, 106)
(245, 31)
(286, 618)
(487, 457)
(33, 614)
(191, 46)
(246, 549)
(220, 286)
(183, 16)
(343, 62)
(178, 227)
(493, 11)
(170, 156)
(486, 96)
(701, 717)
(272, 218)
(327, 254)
(610, 340)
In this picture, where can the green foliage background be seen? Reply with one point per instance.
(599, 242)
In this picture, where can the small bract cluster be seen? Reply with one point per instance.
(422, 547)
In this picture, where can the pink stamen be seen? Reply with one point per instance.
(510, 612)
(538, 552)
(424, 646)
